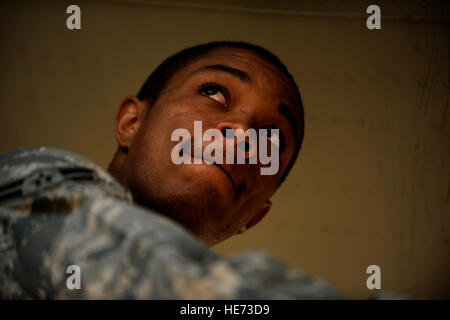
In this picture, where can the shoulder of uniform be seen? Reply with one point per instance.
(41, 154)
(20, 163)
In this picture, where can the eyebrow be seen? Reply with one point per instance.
(289, 115)
(237, 73)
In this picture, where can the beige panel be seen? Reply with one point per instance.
(372, 182)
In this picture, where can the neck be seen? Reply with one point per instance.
(115, 167)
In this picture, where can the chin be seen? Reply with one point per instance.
(196, 197)
(206, 181)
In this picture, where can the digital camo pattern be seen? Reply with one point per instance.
(123, 251)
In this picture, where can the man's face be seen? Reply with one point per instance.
(228, 88)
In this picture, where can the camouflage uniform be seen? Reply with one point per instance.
(59, 209)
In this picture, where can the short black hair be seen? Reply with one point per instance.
(159, 78)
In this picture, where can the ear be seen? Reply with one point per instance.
(258, 217)
(127, 121)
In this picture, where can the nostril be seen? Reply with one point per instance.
(227, 132)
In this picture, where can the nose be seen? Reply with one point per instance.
(240, 138)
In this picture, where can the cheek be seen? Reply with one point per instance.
(256, 199)
(253, 204)
(264, 186)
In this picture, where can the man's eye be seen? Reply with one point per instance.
(214, 92)
(273, 135)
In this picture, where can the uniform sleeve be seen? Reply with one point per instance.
(123, 251)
